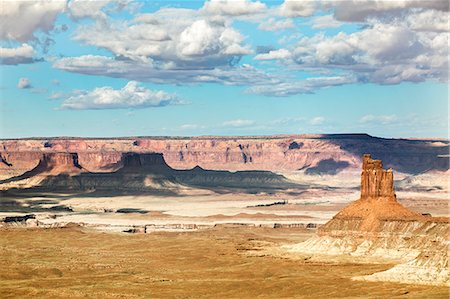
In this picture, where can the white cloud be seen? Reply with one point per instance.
(274, 54)
(259, 82)
(361, 10)
(358, 10)
(179, 38)
(378, 119)
(21, 54)
(21, 19)
(317, 121)
(273, 24)
(400, 41)
(296, 8)
(238, 123)
(233, 7)
(24, 83)
(291, 87)
(141, 71)
(381, 53)
(327, 21)
(429, 20)
(95, 9)
(204, 39)
(130, 96)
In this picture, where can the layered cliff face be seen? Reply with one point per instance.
(377, 226)
(143, 172)
(376, 182)
(315, 154)
(49, 164)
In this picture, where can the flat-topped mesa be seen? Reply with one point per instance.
(137, 162)
(60, 162)
(376, 182)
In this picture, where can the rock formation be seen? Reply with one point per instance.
(315, 154)
(377, 202)
(56, 163)
(377, 226)
(376, 182)
(141, 172)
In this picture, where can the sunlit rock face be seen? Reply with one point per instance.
(376, 182)
(313, 154)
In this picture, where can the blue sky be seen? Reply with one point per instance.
(129, 68)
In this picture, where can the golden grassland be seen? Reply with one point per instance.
(213, 263)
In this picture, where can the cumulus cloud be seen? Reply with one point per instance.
(400, 41)
(361, 10)
(130, 96)
(429, 20)
(21, 19)
(296, 8)
(95, 9)
(202, 38)
(327, 21)
(273, 24)
(19, 55)
(381, 53)
(233, 7)
(24, 83)
(180, 38)
(237, 123)
(378, 119)
(274, 54)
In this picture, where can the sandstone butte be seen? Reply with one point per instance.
(378, 201)
(377, 227)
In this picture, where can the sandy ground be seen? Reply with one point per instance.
(213, 263)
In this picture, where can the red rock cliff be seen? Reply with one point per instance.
(315, 153)
(376, 182)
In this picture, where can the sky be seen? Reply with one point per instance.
(187, 68)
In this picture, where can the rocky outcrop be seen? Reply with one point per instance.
(376, 226)
(135, 162)
(377, 202)
(376, 182)
(56, 163)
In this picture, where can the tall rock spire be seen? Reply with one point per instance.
(376, 182)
